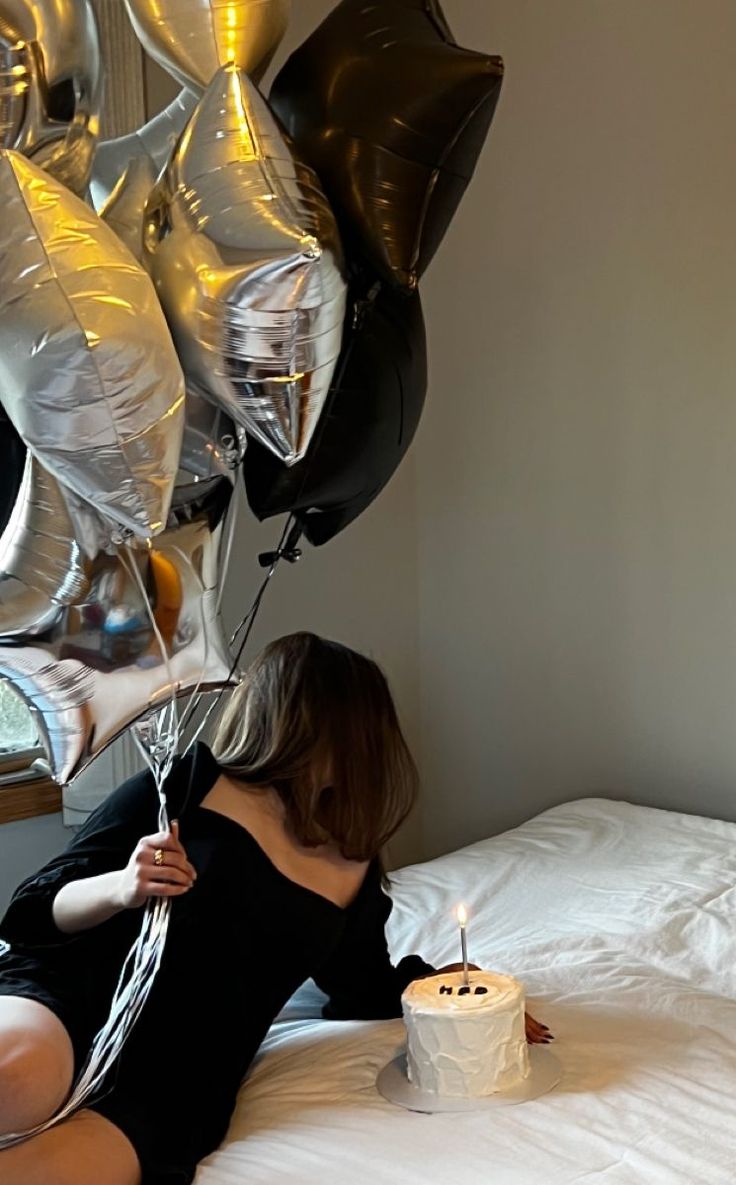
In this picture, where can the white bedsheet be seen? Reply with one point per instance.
(621, 921)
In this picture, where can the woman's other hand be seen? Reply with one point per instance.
(455, 967)
(143, 877)
(537, 1033)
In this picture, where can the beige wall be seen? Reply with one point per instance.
(576, 467)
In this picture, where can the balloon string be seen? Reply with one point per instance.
(233, 519)
(129, 998)
(195, 697)
(245, 627)
(160, 756)
(143, 960)
(206, 642)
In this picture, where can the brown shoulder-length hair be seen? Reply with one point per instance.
(317, 722)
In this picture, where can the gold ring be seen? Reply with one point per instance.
(158, 856)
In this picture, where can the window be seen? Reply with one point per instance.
(18, 732)
(25, 790)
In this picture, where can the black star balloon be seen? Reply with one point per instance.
(12, 454)
(391, 114)
(371, 416)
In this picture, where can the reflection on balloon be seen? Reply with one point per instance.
(97, 666)
(193, 38)
(391, 114)
(88, 373)
(246, 259)
(368, 424)
(124, 209)
(211, 444)
(41, 564)
(155, 141)
(51, 85)
(126, 169)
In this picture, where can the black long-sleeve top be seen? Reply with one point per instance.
(240, 942)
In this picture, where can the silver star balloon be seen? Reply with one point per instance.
(245, 255)
(193, 38)
(126, 169)
(212, 444)
(81, 640)
(88, 373)
(51, 85)
(42, 567)
(155, 142)
(123, 211)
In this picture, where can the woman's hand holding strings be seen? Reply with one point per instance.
(158, 867)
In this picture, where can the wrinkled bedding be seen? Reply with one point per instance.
(621, 921)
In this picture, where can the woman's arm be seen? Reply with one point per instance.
(82, 904)
(103, 845)
(359, 977)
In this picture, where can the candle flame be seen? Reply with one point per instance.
(462, 915)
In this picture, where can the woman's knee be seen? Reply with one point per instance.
(36, 1065)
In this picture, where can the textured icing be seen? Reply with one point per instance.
(468, 1045)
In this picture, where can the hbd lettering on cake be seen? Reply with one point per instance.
(468, 1030)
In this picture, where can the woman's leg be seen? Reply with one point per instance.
(85, 1149)
(36, 1064)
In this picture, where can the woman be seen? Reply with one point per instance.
(274, 873)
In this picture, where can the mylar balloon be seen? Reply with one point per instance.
(210, 446)
(124, 209)
(154, 142)
(245, 255)
(42, 566)
(391, 114)
(193, 38)
(51, 85)
(80, 646)
(88, 372)
(368, 424)
(126, 169)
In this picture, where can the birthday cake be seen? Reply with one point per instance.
(466, 1040)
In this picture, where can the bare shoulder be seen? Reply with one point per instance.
(322, 869)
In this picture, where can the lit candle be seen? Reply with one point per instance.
(462, 917)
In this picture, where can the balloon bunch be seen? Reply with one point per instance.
(391, 114)
(238, 272)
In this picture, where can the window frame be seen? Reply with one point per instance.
(26, 790)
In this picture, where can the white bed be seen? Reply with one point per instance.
(621, 920)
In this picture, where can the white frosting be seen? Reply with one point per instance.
(467, 1044)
